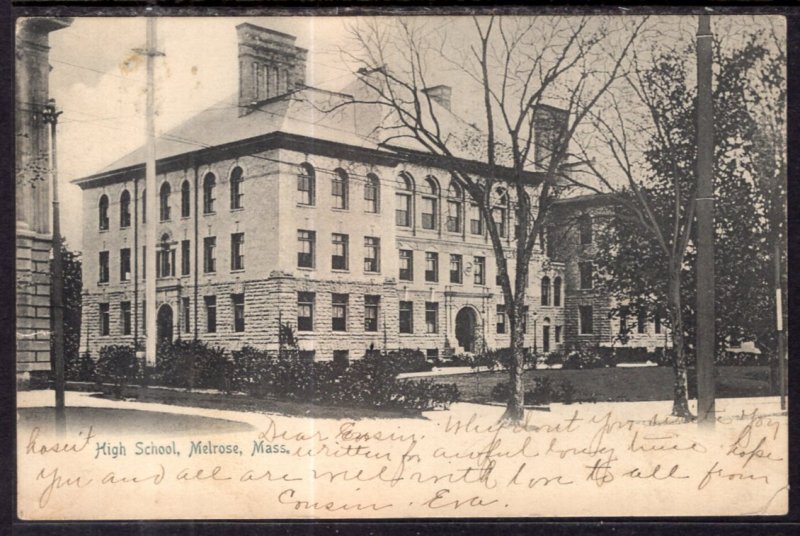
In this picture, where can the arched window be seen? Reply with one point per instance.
(500, 211)
(557, 292)
(306, 184)
(545, 290)
(455, 202)
(164, 201)
(585, 227)
(125, 209)
(372, 193)
(236, 188)
(403, 198)
(339, 189)
(186, 200)
(430, 196)
(103, 212)
(209, 185)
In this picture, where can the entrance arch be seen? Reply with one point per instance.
(467, 329)
(164, 323)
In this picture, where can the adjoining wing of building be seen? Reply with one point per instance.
(274, 210)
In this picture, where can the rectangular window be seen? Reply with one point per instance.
(238, 312)
(339, 312)
(186, 257)
(305, 249)
(558, 334)
(103, 267)
(586, 270)
(431, 266)
(210, 254)
(501, 318)
(428, 213)
(623, 323)
(550, 240)
(454, 216)
(498, 279)
(500, 220)
(372, 254)
(475, 220)
(339, 257)
(105, 320)
(125, 317)
(125, 264)
(186, 315)
(339, 191)
(165, 262)
(657, 324)
(586, 320)
(432, 317)
(211, 314)
(641, 322)
(585, 226)
(371, 311)
(237, 251)
(403, 210)
(455, 269)
(305, 187)
(371, 194)
(406, 265)
(480, 271)
(305, 311)
(406, 317)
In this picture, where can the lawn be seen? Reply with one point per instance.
(617, 383)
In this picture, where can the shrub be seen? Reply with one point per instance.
(117, 365)
(582, 359)
(426, 395)
(82, 370)
(410, 360)
(191, 364)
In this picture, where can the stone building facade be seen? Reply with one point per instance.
(282, 214)
(33, 186)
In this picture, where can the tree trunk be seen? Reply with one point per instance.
(515, 409)
(680, 404)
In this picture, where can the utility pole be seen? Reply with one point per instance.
(706, 335)
(50, 116)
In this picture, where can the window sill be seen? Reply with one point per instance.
(237, 271)
(340, 270)
(372, 273)
(237, 209)
(102, 230)
(165, 221)
(306, 268)
(124, 227)
(209, 213)
(103, 283)
(303, 205)
(186, 217)
(378, 213)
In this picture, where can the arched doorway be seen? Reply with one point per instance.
(164, 323)
(466, 327)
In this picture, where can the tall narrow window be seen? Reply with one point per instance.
(557, 292)
(125, 209)
(237, 251)
(550, 240)
(586, 320)
(406, 265)
(164, 211)
(585, 228)
(431, 266)
(186, 257)
(339, 189)
(403, 198)
(454, 207)
(371, 312)
(501, 318)
(210, 254)
(525, 313)
(456, 269)
(165, 258)
(237, 194)
(475, 220)
(103, 262)
(372, 254)
(339, 312)
(430, 195)
(125, 264)
(545, 291)
(305, 311)
(586, 271)
(339, 255)
(186, 315)
(406, 317)
(431, 317)
(186, 200)
(144, 205)
(103, 213)
(105, 319)
(558, 334)
(306, 181)
(657, 324)
(209, 193)
(372, 193)
(641, 321)
(237, 300)
(211, 314)
(479, 270)
(125, 317)
(623, 322)
(500, 211)
(305, 248)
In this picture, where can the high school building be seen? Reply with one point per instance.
(272, 211)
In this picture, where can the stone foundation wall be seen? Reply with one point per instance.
(33, 302)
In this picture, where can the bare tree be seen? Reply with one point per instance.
(528, 71)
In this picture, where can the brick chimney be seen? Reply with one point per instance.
(269, 63)
(440, 94)
(549, 127)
